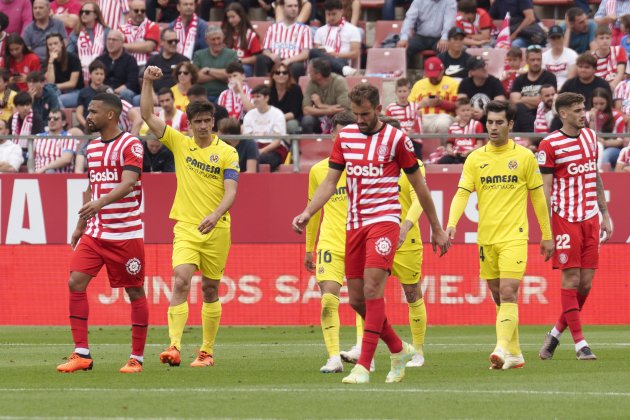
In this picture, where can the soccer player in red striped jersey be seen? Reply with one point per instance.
(575, 192)
(109, 232)
(373, 154)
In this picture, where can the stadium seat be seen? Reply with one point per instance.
(312, 151)
(370, 4)
(374, 81)
(494, 57)
(383, 29)
(437, 168)
(264, 168)
(386, 61)
(252, 82)
(285, 169)
(261, 26)
(556, 5)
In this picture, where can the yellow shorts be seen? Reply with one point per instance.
(408, 266)
(208, 252)
(330, 266)
(505, 260)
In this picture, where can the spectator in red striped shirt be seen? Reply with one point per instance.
(604, 119)
(475, 22)
(458, 148)
(52, 154)
(404, 111)
(142, 36)
(241, 37)
(611, 60)
(237, 97)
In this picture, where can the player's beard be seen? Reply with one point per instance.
(368, 128)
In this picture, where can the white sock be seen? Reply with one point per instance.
(580, 345)
(82, 351)
(138, 358)
(555, 333)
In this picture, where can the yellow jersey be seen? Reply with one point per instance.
(180, 100)
(332, 232)
(200, 176)
(445, 90)
(502, 177)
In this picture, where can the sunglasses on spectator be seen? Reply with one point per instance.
(282, 73)
(185, 73)
(138, 11)
(534, 47)
(87, 12)
(54, 118)
(171, 41)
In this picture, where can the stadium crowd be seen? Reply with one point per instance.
(291, 73)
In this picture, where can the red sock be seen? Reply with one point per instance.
(139, 325)
(389, 337)
(79, 312)
(561, 324)
(572, 313)
(374, 320)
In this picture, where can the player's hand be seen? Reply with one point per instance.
(606, 229)
(76, 235)
(90, 209)
(300, 222)
(308, 262)
(547, 248)
(208, 223)
(451, 231)
(153, 73)
(404, 230)
(439, 238)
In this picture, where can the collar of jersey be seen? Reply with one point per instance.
(491, 148)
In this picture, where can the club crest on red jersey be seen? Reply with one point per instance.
(383, 246)
(382, 150)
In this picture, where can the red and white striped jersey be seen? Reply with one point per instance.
(541, 123)
(106, 161)
(113, 11)
(146, 31)
(252, 44)
(232, 102)
(624, 156)
(599, 120)
(123, 122)
(372, 164)
(288, 41)
(464, 144)
(482, 21)
(622, 93)
(607, 66)
(179, 121)
(573, 162)
(410, 121)
(48, 149)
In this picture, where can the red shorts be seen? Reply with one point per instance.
(124, 260)
(577, 244)
(372, 246)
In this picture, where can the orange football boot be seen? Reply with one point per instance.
(76, 362)
(203, 360)
(171, 356)
(132, 366)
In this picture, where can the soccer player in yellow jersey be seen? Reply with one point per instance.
(207, 177)
(502, 173)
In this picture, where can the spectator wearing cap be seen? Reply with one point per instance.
(430, 21)
(480, 87)
(579, 31)
(559, 60)
(435, 96)
(455, 58)
(525, 93)
(475, 22)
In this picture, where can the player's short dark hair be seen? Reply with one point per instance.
(467, 6)
(515, 52)
(261, 89)
(568, 99)
(365, 92)
(389, 120)
(462, 102)
(403, 82)
(22, 98)
(333, 5)
(96, 65)
(343, 119)
(35, 76)
(166, 91)
(603, 30)
(321, 66)
(235, 67)
(230, 126)
(586, 59)
(198, 107)
(197, 90)
(501, 106)
(573, 13)
(111, 101)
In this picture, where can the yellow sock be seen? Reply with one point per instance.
(514, 346)
(418, 323)
(177, 317)
(330, 323)
(507, 323)
(210, 320)
(359, 322)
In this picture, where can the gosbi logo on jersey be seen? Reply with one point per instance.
(370, 170)
(383, 246)
(575, 168)
(103, 176)
(133, 266)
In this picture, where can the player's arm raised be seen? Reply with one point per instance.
(325, 190)
(156, 125)
(603, 208)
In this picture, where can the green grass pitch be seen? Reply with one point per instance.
(273, 372)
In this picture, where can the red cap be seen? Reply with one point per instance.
(433, 67)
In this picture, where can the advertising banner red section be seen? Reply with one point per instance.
(43, 209)
(268, 285)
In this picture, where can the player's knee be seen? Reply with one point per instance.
(210, 292)
(358, 305)
(134, 293)
(78, 282)
(181, 285)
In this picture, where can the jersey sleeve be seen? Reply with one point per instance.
(231, 168)
(153, 33)
(133, 154)
(467, 179)
(546, 157)
(405, 155)
(337, 161)
(172, 138)
(534, 178)
(485, 21)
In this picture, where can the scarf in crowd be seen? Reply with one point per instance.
(333, 39)
(24, 130)
(90, 49)
(133, 34)
(186, 44)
